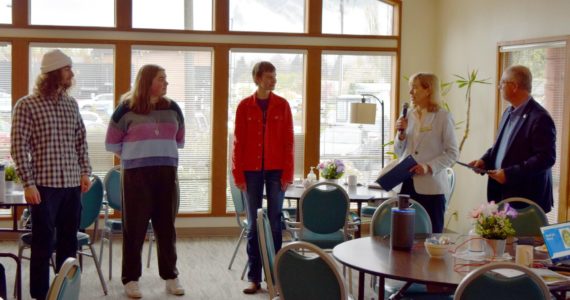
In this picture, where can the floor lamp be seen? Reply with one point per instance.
(365, 113)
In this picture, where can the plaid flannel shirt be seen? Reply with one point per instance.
(49, 143)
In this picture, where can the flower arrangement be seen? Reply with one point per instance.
(492, 223)
(10, 170)
(331, 169)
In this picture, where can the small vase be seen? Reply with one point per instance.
(475, 241)
(331, 180)
(9, 187)
(494, 248)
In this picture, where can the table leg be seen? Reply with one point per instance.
(14, 218)
(360, 285)
(381, 290)
(358, 211)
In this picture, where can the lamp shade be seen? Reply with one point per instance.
(363, 113)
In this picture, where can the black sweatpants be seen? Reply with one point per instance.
(149, 193)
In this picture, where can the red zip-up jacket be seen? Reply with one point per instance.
(249, 142)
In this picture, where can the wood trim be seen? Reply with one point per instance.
(221, 11)
(125, 10)
(20, 70)
(220, 97)
(498, 113)
(20, 13)
(564, 188)
(314, 20)
(312, 108)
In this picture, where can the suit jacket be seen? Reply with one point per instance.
(529, 157)
(436, 146)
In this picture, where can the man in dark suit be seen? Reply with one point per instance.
(519, 163)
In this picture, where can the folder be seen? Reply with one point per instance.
(398, 174)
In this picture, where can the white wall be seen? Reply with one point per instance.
(466, 36)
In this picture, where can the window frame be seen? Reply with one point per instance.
(20, 33)
(563, 133)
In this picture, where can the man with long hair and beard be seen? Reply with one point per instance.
(49, 148)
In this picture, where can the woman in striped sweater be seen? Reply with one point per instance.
(146, 131)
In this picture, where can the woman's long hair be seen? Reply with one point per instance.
(431, 82)
(138, 98)
(50, 84)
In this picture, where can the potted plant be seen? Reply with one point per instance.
(494, 226)
(10, 177)
(331, 170)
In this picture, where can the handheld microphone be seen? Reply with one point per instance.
(404, 113)
(405, 109)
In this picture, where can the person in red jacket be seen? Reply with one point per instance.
(263, 155)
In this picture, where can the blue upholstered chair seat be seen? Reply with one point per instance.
(368, 211)
(324, 241)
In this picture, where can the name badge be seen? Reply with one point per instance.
(425, 129)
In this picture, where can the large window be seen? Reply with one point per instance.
(100, 13)
(290, 85)
(547, 63)
(5, 100)
(359, 17)
(267, 15)
(173, 14)
(345, 77)
(189, 74)
(5, 11)
(93, 66)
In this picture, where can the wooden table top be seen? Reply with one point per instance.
(373, 255)
(14, 198)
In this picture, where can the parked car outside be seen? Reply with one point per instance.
(101, 103)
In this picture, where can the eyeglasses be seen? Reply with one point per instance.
(505, 82)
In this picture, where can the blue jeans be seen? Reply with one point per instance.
(255, 181)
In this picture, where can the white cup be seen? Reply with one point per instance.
(524, 255)
(352, 180)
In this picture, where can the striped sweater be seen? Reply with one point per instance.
(146, 140)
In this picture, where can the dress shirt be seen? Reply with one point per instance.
(49, 143)
(513, 117)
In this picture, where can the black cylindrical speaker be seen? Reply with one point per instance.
(402, 231)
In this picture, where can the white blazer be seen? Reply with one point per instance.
(435, 146)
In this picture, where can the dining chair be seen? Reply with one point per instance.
(484, 283)
(91, 202)
(381, 225)
(323, 211)
(67, 283)
(113, 227)
(238, 198)
(529, 219)
(311, 276)
(267, 249)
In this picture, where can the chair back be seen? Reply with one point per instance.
(529, 219)
(238, 198)
(483, 284)
(307, 277)
(267, 249)
(67, 283)
(91, 202)
(451, 178)
(324, 208)
(381, 223)
(113, 189)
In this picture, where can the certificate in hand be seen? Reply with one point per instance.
(398, 174)
(478, 170)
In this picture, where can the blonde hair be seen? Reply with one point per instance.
(138, 98)
(431, 82)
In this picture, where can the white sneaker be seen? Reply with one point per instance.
(132, 289)
(173, 287)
